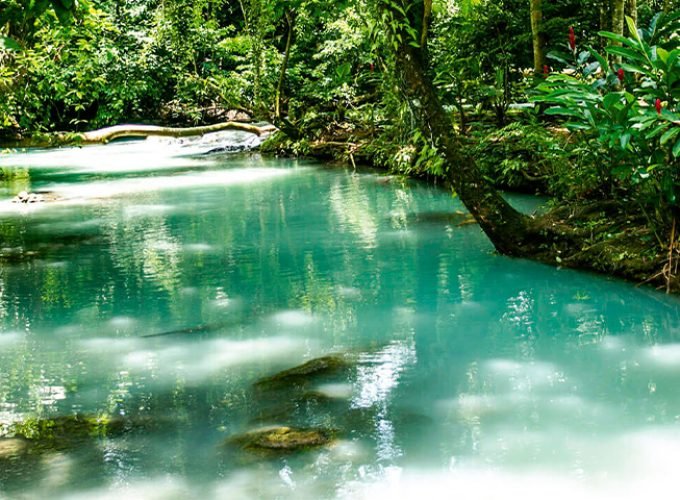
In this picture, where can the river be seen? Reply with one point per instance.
(161, 284)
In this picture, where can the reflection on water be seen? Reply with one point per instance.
(165, 285)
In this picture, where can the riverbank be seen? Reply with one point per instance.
(613, 237)
(607, 236)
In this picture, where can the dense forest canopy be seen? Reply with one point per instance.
(571, 98)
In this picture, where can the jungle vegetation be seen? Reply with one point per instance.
(573, 99)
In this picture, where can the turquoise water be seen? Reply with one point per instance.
(162, 286)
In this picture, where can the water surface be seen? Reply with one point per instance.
(164, 284)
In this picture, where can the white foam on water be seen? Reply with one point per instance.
(664, 355)
(348, 292)
(628, 466)
(613, 344)
(157, 488)
(524, 375)
(146, 210)
(9, 338)
(81, 193)
(198, 247)
(200, 360)
(106, 189)
(123, 322)
(293, 318)
(110, 345)
(152, 154)
(335, 391)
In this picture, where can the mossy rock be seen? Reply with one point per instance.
(325, 366)
(284, 439)
(63, 431)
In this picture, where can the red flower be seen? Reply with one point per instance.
(546, 69)
(372, 67)
(572, 38)
(620, 74)
(657, 105)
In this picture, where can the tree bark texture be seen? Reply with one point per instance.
(537, 35)
(505, 227)
(631, 10)
(290, 19)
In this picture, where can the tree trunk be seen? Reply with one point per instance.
(290, 18)
(254, 19)
(427, 17)
(618, 21)
(558, 237)
(605, 20)
(537, 35)
(505, 227)
(631, 10)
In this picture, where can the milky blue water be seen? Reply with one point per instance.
(161, 286)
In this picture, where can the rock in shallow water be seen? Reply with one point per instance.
(284, 439)
(315, 368)
(12, 447)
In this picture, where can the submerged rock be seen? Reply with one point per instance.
(12, 447)
(284, 439)
(320, 367)
(59, 432)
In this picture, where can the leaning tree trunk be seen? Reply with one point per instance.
(558, 237)
(537, 35)
(505, 227)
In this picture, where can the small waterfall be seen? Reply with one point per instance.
(227, 141)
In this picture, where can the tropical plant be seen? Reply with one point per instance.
(628, 111)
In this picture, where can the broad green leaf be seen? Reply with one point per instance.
(636, 69)
(558, 110)
(619, 38)
(625, 52)
(576, 126)
(670, 134)
(656, 131)
(7, 43)
(603, 62)
(611, 99)
(625, 140)
(632, 28)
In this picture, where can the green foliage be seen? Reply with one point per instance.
(627, 111)
(525, 156)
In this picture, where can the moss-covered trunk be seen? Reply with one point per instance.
(601, 236)
(618, 18)
(537, 35)
(504, 226)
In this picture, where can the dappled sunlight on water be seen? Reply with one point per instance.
(168, 291)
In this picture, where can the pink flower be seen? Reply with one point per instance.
(657, 105)
(572, 38)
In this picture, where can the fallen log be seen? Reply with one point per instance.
(107, 134)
